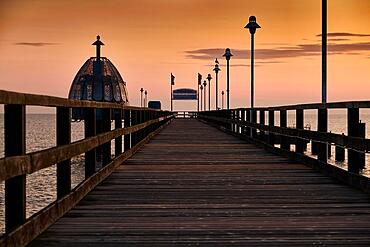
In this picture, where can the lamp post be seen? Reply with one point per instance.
(146, 98)
(209, 78)
(141, 97)
(222, 93)
(216, 70)
(227, 56)
(205, 98)
(201, 97)
(199, 84)
(252, 26)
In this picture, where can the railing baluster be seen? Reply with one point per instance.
(127, 123)
(262, 121)
(283, 123)
(322, 126)
(15, 144)
(90, 130)
(118, 125)
(106, 127)
(299, 124)
(271, 124)
(63, 137)
(353, 120)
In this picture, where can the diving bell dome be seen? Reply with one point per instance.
(99, 80)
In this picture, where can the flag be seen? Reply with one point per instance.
(199, 79)
(172, 79)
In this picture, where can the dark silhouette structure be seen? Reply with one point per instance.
(216, 70)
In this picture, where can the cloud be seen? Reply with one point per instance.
(302, 50)
(35, 44)
(338, 39)
(345, 35)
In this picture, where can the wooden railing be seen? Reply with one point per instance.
(185, 114)
(140, 124)
(292, 141)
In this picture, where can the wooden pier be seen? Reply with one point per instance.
(195, 185)
(214, 178)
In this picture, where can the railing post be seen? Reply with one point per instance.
(15, 144)
(322, 126)
(271, 124)
(243, 121)
(63, 137)
(133, 123)
(299, 123)
(262, 121)
(118, 125)
(353, 120)
(248, 129)
(106, 127)
(253, 120)
(127, 123)
(283, 123)
(90, 130)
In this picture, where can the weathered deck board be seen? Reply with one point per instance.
(194, 185)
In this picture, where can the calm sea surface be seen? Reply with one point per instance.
(40, 134)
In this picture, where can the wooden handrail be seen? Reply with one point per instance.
(9, 97)
(32, 162)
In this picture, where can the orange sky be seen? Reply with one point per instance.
(43, 44)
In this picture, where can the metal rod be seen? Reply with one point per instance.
(209, 95)
(228, 84)
(216, 91)
(324, 50)
(252, 71)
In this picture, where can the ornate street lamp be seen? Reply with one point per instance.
(216, 70)
(252, 26)
(223, 93)
(209, 78)
(205, 97)
(141, 97)
(145, 98)
(227, 56)
(201, 97)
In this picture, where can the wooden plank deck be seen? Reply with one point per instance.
(195, 185)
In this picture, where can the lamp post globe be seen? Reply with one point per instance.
(228, 56)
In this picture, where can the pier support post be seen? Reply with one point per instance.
(15, 144)
(90, 130)
(63, 129)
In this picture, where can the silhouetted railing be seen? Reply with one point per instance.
(140, 124)
(293, 141)
(185, 114)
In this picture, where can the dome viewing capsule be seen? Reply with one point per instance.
(99, 80)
